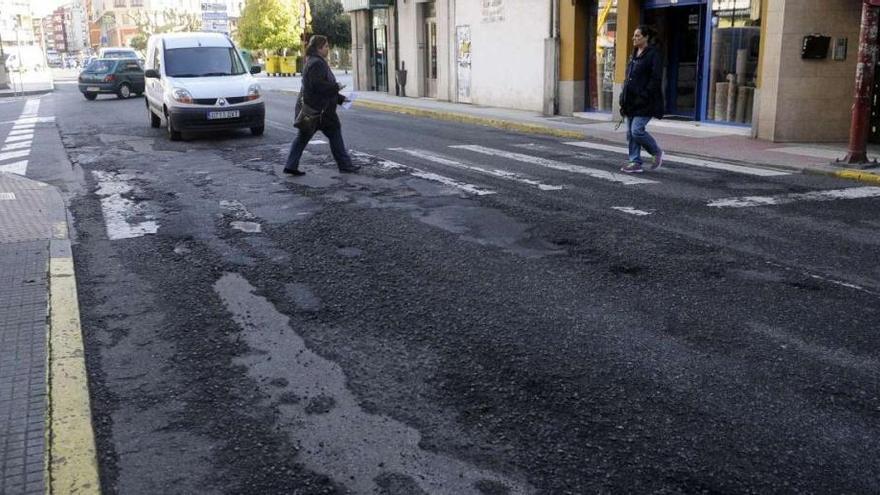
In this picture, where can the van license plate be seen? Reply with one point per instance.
(228, 114)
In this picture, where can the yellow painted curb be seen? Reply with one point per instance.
(73, 460)
(470, 119)
(859, 175)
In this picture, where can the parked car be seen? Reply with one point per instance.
(118, 52)
(199, 81)
(121, 77)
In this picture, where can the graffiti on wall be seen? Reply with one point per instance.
(463, 62)
(493, 11)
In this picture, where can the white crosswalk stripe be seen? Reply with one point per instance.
(557, 165)
(697, 162)
(18, 142)
(504, 174)
(416, 172)
(829, 195)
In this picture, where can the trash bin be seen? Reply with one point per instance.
(273, 64)
(288, 65)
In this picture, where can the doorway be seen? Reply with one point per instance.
(431, 57)
(680, 30)
(379, 54)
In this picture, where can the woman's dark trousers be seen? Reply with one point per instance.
(337, 147)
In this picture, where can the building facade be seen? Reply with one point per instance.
(730, 62)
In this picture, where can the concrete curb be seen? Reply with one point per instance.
(72, 465)
(35, 92)
(848, 174)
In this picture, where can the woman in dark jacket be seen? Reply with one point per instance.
(642, 99)
(321, 92)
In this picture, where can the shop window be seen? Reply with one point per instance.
(606, 39)
(733, 60)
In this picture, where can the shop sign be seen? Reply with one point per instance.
(351, 5)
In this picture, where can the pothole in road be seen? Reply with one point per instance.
(336, 436)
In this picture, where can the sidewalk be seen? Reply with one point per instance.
(46, 439)
(730, 144)
(28, 83)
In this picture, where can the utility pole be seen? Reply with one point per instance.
(861, 109)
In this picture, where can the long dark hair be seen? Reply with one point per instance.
(316, 42)
(648, 32)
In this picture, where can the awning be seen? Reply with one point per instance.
(350, 5)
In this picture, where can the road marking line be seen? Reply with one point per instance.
(7, 196)
(556, 165)
(631, 210)
(504, 174)
(388, 164)
(829, 195)
(15, 146)
(30, 121)
(9, 155)
(19, 167)
(118, 209)
(697, 162)
(31, 107)
(20, 137)
(18, 132)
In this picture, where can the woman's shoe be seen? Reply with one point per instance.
(632, 168)
(350, 169)
(294, 172)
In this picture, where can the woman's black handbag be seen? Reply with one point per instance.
(308, 119)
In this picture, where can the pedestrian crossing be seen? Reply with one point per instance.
(17, 146)
(535, 160)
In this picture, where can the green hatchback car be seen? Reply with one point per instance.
(122, 77)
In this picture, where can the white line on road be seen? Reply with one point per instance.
(631, 210)
(19, 167)
(117, 209)
(19, 132)
(504, 174)
(556, 165)
(829, 195)
(19, 137)
(388, 164)
(9, 155)
(16, 146)
(697, 162)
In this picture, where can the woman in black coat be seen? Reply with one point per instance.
(642, 99)
(321, 92)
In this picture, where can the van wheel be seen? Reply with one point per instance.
(155, 121)
(124, 91)
(258, 131)
(173, 134)
(90, 96)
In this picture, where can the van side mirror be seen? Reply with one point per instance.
(255, 69)
(151, 73)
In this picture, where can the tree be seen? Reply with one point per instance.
(273, 25)
(329, 19)
(139, 42)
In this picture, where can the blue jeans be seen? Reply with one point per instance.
(637, 138)
(337, 147)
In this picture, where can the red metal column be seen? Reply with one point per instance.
(858, 131)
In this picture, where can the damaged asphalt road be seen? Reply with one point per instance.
(385, 333)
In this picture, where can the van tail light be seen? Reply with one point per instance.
(109, 78)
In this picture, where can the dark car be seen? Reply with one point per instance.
(121, 77)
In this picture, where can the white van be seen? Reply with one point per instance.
(199, 82)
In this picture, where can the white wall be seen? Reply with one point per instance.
(507, 55)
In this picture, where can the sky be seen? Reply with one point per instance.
(45, 7)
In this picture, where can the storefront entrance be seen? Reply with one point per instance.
(429, 14)
(681, 32)
(379, 53)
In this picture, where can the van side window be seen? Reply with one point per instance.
(156, 63)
